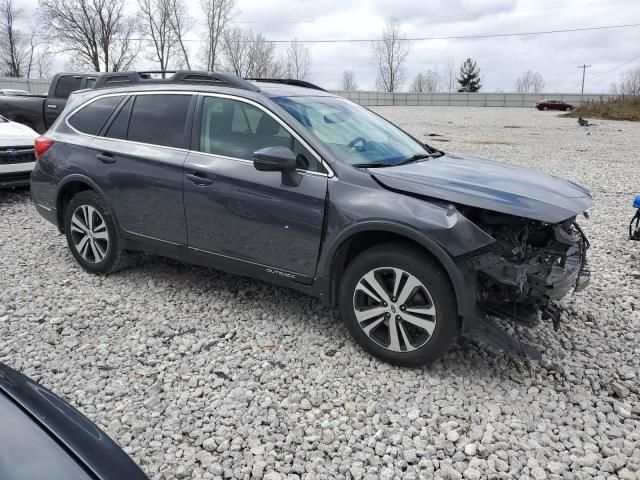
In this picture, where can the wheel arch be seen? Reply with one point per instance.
(360, 237)
(71, 186)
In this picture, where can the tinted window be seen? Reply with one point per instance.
(90, 82)
(159, 119)
(66, 85)
(119, 125)
(91, 119)
(236, 129)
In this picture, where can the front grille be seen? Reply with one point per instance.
(20, 154)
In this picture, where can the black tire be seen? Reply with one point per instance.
(114, 258)
(419, 264)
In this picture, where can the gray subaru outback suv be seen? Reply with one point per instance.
(282, 181)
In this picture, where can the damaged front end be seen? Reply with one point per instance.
(530, 266)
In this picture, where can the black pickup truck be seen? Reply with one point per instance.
(39, 111)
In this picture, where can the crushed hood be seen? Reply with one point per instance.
(491, 185)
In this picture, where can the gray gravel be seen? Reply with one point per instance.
(199, 374)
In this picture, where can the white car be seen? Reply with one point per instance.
(17, 157)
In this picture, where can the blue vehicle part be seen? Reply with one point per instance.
(634, 225)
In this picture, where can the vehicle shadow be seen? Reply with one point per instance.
(14, 195)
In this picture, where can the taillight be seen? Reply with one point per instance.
(41, 145)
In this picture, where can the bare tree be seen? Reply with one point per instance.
(390, 53)
(235, 49)
(450, 72)
(262, 60)
(348, 82)
(218, 14)
(98, 33)
(428, 82)
(530, 82)
(630, 82)
(298, 60)
(15, 47)
(418, 84)
(42, 61)
(181, 23)
(156, 25)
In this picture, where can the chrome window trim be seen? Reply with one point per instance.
(125, 94)
(244, 160)
(330, 173)
(131, 142)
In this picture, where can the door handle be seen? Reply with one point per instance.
(199, 179)
(106, 157)
(51, 105)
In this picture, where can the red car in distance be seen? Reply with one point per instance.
(553, 105)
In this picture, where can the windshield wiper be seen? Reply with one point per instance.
(420, 156)
(411, 159)
(371, 165)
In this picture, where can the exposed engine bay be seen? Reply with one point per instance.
(530, 265)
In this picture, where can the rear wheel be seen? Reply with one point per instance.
(568, 109)
(92, 236)
(545, 108)
(398, 304)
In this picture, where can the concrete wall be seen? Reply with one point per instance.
(464, 99)
(37, 87)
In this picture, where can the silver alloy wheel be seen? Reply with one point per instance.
(89, 234)
(394, 309)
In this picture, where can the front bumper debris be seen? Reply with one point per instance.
(523, 288)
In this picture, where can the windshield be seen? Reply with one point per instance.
(354, 134)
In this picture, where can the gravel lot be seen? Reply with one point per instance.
(199, 374)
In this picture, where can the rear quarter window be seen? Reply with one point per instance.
(91, 118)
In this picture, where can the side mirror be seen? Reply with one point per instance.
(274, 159)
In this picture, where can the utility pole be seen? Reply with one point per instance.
(584, 69)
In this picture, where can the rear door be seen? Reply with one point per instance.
(138, 161)
(235, 211)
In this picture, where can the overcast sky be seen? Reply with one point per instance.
(555, 56)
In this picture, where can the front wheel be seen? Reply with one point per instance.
(399, 305)
(568, 109)
(545, 108)
(92, 236)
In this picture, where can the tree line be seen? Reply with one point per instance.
(103, 35)
(112, 35)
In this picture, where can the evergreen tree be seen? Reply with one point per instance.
(469, 77)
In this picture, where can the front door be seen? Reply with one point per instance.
(265, 219)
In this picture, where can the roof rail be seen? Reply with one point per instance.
(288, 81)
(115, 79)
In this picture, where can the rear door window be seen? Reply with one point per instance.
(67, 84)
(159, 119)
(91, 118)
